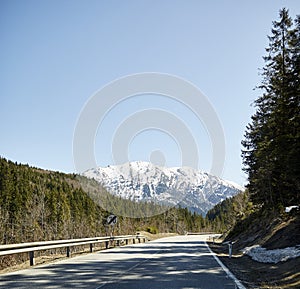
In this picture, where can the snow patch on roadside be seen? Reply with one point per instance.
(288, 209)
(263, 255)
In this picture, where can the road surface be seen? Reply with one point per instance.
(174, 262)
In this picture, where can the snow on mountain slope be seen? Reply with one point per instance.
(143, 181)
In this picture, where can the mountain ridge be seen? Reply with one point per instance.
(143, 181)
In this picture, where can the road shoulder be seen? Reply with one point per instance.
(260, 275)
(227, 271)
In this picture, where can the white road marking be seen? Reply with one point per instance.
(126, 271)
(227, 271)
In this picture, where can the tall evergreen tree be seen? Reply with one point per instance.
(271, 145)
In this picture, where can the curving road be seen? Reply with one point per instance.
(174, 262)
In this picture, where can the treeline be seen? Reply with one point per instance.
(225, 215)
(39, 205)
(271, 148)
(271, 153)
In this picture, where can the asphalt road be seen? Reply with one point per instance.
(175, 262)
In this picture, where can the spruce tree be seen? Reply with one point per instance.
(271, 145)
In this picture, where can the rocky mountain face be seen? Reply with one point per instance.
(143, 181)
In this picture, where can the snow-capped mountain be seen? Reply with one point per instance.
(143, 181)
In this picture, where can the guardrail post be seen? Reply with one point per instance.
(106, 244)
(126, 241)
(68, 252)
(31, 258)
(112, 242)
(133, 240)
(230, 249)
(91, 248)
(139, 239)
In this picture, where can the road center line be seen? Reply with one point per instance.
(128, 270)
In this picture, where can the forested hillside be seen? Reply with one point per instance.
(225, 215)
(43, 205)
(36, 204)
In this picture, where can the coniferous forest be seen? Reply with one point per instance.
(36, 205)
(271, 148)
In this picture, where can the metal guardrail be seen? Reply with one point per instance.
(48, 245)
(201, 233)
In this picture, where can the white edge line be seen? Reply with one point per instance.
(227, 271)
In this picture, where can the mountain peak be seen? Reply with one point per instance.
(184, 186)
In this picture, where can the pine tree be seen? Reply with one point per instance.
(271, 145)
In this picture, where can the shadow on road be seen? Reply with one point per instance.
(152, 265)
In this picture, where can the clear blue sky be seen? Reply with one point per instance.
(55, 54)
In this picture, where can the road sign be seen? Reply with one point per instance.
(111, 220)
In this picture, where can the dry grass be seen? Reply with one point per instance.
(152, 237)
(271, 231)
(283, 275)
